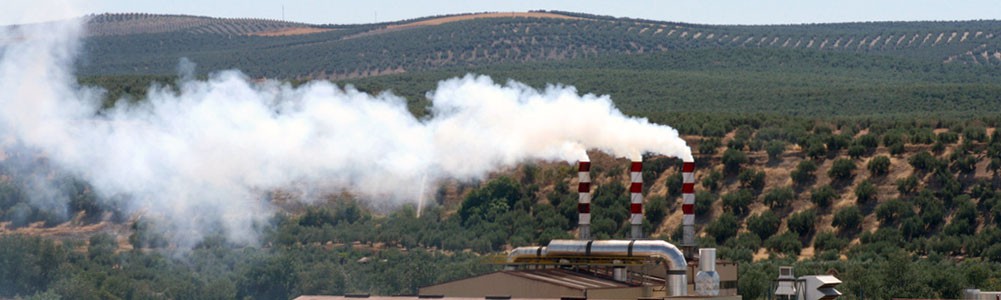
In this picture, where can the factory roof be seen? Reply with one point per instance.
(568, 278)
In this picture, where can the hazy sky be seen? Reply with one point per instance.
(367, 11)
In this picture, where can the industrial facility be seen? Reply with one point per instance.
(608, 269)
(636, 268)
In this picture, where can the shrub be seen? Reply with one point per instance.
(869, 141)
(842, 170)
(779, 197)
(828, 241)
(802, 222)
(752, 179)
(787, 243)
(738, 202)
(948, 137)
(923, 161)
(975, 133)
(732, 159)
(963, 162)
(656, 210)
(890, 212)
(907, 185)
(745, 240)
(709, 146)
(865, 191)
(897, 149)
(938, 148)
(879, 165)
(764, 224)
(856, 151)
(723, 227)
(803, 174)
(815, 148)
(704, 202)
(848, 219)
(838, 142)
(893, 138)
(674, 183)
(712, 181)
(775, 149)
(822, 196)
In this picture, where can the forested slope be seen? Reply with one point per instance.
(870, 149)
(348, 51)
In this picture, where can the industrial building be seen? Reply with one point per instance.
(636, 268)
(608, 269)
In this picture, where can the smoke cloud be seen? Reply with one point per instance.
(202, 156)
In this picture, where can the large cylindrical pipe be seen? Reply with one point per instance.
(584, 200)
(688, 207)
(526, 252)
(636, 199)
(677, 283)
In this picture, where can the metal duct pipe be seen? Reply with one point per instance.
(673, 258)
(525, 252)
(688, 207)
(636, 199)
(584, 200)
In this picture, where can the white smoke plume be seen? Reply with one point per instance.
(201, 157)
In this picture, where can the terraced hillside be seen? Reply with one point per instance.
(142, 23)
(349, 51)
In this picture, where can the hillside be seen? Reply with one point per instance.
(151, 44)
(866, 149)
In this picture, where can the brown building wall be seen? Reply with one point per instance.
(500, 284)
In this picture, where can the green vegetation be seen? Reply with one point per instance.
(898, 150)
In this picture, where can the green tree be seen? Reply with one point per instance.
(848, 219)
(923, 161)
(842, 170)
(879, 165)
(865, 192)
(713, 180)
(752, 179)
(723, 228)
(779, 197)
(890, 212)
(674, 183)
(764, 224)
(709, 146)
(732, 160)
(738, 201)
(656, 210)
(823, 196)
(786, 243)
(804, 172)
(907, 185)
(869, 141)
(828, 241)
(802, 223)
(704, 202)
(775, 149)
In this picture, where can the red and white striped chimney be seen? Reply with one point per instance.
(688, 206)
(584, 200)
(636, 199)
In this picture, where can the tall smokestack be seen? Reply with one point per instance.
(688, 207)
(584, 200)
(636, 199)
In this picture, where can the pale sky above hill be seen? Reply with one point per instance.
(368, 11)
